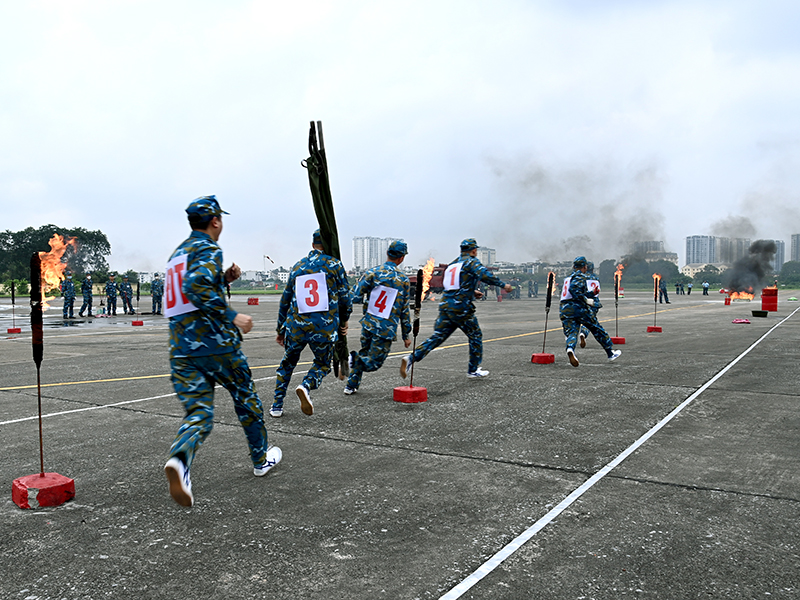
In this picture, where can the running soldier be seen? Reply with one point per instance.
(126, 292)
(457, 310)
(86, 290)
(314, 310)
(157, 291)
(592, 284)
(388, 292)
(576, 301)
(206, 348)
(68, 291)
(111, 294)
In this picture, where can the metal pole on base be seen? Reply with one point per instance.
(408, 394)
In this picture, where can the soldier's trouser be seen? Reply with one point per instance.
(323, 356)
(193, 380)
(87, 303)
(112, 305)
(156, 304)
(371, 357)
(69, 307)
(442, 330)
(126, 303)
(573, 317)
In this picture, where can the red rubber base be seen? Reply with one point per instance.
(137, 323)
(541, 358)
(410, 395)
(252, 301)
(653, 329)
(15, 330)
(617, 340)
(50, 489)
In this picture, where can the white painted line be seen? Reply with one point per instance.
(77, 410)
(491, 564)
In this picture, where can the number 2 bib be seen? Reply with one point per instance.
(452, 276)
(381, 301)
(311, 292)
(176, 302)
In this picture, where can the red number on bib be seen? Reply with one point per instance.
(380, 303)
(311, 286)
(453, 277)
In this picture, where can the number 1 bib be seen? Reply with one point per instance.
(452, 276)
(176, 302)
(381, 301)
(311, 292)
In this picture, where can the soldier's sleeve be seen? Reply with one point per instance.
(200, 285)
(286, 302)
(345, 303)
(357, 297)
(485, 274)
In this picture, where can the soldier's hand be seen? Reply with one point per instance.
(407, 343)
(478, 294)
(243, 322)
(233, 273)
(508, 287)
(343, 328)
(279, 339)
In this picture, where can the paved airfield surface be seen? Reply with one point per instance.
(377, 499)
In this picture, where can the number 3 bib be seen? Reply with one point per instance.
(311, 292)
(381, 300)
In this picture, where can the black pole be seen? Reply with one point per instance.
(616, 304)
(37, 340)
(655, 299)
(551, 280)
(415, 327)
(13, 302)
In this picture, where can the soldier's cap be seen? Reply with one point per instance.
(156, 275)
(112, 274)
(205, 206)
(590, 266)
(317, 237)
(579, 262)
(469, 244)
(67, 272)
(397, 249)
(124, 276)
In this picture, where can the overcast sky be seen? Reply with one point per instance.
(543, 129)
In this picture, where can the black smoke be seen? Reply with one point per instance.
(749, 272)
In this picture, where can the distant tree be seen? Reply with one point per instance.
(638, 270)
(133, 276)
(16, 248)
(709, 273)
(790, 273)
(606, 270)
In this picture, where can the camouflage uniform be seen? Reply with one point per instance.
(457, 311)
(86, 290)
(206, 348)
(68, 291)
(593, 285)
(575, 311)
(318, 330)
(126, 292)
(111, 296)
(157, 290)
(378, 332)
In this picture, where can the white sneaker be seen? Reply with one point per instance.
(274, 456)
(573, 360)
(477, 373)
(582, 340)
(276, 412)
(614, 355)
(305, 400)
(351, 359)
(404, 366)
(348, 391)
(180, 485)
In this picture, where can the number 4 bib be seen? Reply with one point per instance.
(311, 292)
(452, 276)
(381, 301)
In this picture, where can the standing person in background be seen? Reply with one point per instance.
(157, 291)
(68, 292)
(457, 310)
(314, 310)
(705, 288)
(662, 291)
(111, 294)
(689, 287)
(205, 348)
(388, 295)
(86, 290)
(126, 291)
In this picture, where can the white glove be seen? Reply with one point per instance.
(589, 301)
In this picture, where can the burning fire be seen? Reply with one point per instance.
(618, 274)
(52, 267)
(742, 295)
(427, 273)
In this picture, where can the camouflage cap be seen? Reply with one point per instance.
(469, 244)
(112, 274)
(590, 266)
(316, 238)
(397, 249)
(205, 206)
(579, 262)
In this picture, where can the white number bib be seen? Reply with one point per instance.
(176, 302)
(565, 295)
(381, 301)
(452, 276)
(593, 286)
(311, 292)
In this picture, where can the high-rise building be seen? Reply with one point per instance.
(370, 252)
(794, 253)
(701, 249)
(648, 246)
(780, 255)
(487, 256)
(729, 250)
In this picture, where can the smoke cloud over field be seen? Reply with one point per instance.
(555, 213)
(749, 272)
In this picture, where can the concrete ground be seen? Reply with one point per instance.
(376, 499)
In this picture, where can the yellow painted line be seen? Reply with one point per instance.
(141, 377)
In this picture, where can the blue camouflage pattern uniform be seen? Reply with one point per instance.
(318, 330)
(590, 279)
(68, 292)
(575, 312)
(378, 333)
(157, 291)
(126, 292)
(86, 290)
(111, 296)
(205, 348)
(457, 310)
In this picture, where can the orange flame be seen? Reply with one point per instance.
(427, 273)
(742, 296)
(618, 274)
(656, 277)
(52, 267)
